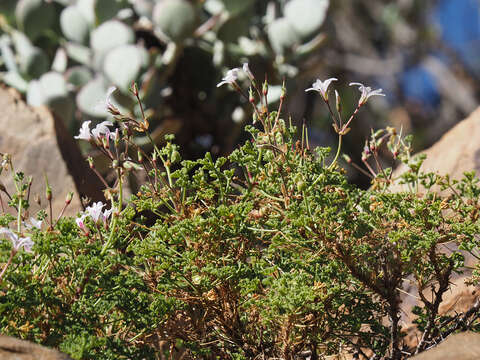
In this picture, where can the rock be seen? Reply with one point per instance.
(462, 346)
(456, 152)
(16, 349)
(40, 144)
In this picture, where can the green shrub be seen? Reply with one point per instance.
(266, 253)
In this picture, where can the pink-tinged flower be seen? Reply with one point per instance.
(106, 214)
(247, 71)
(84, 131)
(81, 222)
(17, 242)
(230, 78)
(367, 92)
(102, 130)
(322, 87)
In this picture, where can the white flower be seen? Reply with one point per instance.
(230, 78)
(322, 87)
(34, 223)
(247, 71)
(102, 129)
(17, 242)
(110, 91)
(107, 104)
(95, 211)
(367, 92)
(84, 131)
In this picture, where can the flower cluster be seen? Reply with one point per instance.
(95, 213)
(101, 131)
(98, 133)
(232, 75)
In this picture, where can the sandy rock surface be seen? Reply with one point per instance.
(40, 144)
(463, 346)
(15, 349)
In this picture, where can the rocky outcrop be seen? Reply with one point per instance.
(41, 145)
(456, 152)
(16, 349)
(463, 346)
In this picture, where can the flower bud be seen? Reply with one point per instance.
(69, 198)
(338, 103)
(265, 88)
(175, 157)
(347, 158)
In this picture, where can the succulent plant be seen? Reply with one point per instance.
(66, 53)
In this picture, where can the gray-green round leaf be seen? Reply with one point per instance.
(35, 95)
(53, 85)
(306, 16)
(14, 79)
(282, 35)
(7, 55)
(78, 76)
(74, 25)
(143, 8)
(51, 90)
(33, 17)
(214, 7)
(79, 53)
(91, 95)
(33, 63)
(87, 8)
(110, 35)
(122, 66)
(176, 19)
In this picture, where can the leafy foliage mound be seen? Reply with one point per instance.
(266, 253)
